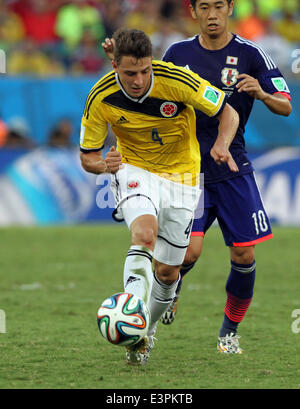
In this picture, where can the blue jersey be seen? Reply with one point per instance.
(220, 68)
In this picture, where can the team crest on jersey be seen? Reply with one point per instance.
(168, 109)
(229, 76)
(133, 184)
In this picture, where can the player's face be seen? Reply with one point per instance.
(212, 16)
(134, 75)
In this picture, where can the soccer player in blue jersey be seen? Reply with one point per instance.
(245, 72)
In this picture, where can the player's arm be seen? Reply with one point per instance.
(93, 162)
(228, 124)
(277, 103)
(212, 101)
(92, 137)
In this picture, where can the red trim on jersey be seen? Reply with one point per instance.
(285, 94)
(197, 234)
(251, 243)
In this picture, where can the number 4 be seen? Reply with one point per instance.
(156, 137)
(188, 229)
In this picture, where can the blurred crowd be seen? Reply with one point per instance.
(58, 37)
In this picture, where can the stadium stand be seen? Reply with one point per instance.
(63, 37)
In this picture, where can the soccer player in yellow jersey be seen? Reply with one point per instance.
(155, 167)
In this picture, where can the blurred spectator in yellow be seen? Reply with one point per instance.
(145, 17)
(60, 136)
(29, 60)
(76, 17)
(11, 27)
(289, 27)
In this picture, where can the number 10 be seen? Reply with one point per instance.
(260, 222)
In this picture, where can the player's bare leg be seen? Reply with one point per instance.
(193, 252)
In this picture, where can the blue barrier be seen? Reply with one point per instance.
(48, 186)
(43, 102)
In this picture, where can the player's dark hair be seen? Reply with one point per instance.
(131, 42)
(193, 3)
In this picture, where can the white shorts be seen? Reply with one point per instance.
(138, 192)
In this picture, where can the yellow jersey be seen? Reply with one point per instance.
(156, 132)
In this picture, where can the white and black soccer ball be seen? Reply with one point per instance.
(123, 319)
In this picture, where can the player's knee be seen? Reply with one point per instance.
(144, 237)
(191, 256)
(144, 231)
(166, 274)
(243, 255)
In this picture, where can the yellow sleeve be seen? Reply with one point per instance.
(208, 99)
(93, 131)
(191, 89)
(188, 87)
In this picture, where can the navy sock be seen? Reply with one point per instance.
(228, 327)
(239, 287)
(185, 268)
(241, 280)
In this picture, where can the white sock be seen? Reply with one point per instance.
(138, 275)
(160, 299)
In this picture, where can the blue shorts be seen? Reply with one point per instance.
(237, 206)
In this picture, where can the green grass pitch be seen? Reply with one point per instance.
(53, 279)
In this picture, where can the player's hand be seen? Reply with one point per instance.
(108, 47)
(113, 160)
(222, 155)
(251, 86)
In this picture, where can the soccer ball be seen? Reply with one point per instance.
(123, 319)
